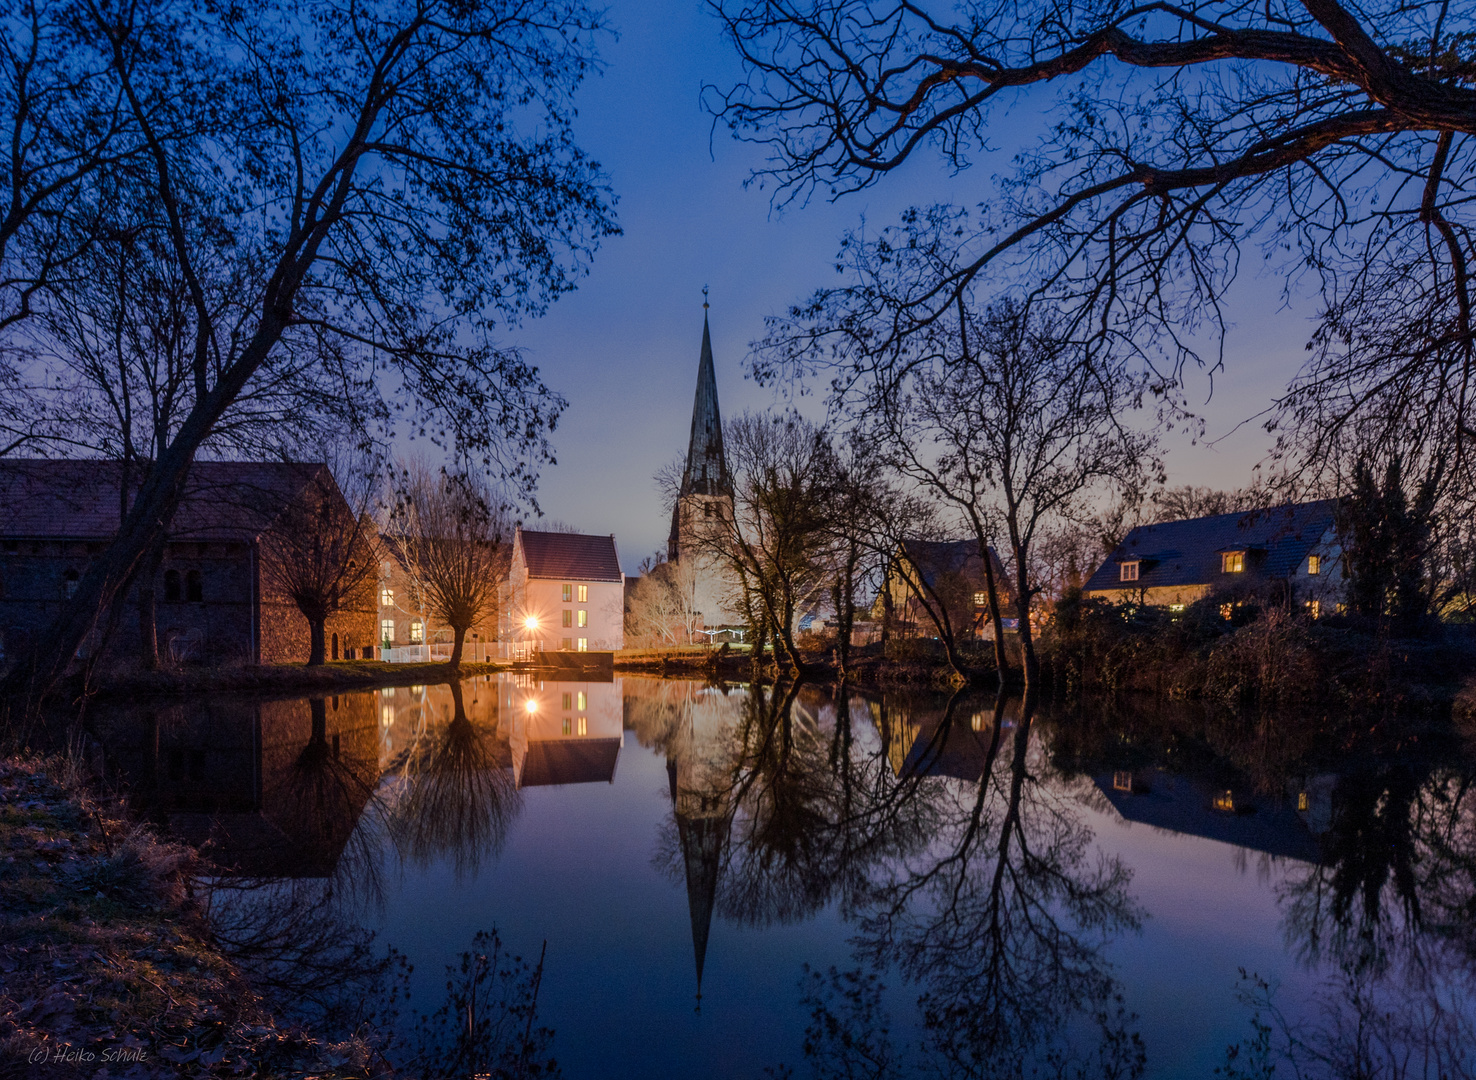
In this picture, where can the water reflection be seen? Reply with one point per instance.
(954, 835)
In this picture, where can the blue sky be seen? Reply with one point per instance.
(623, 349)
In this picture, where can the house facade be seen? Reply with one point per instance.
(566, 592)
(211, 601)
(408, 623)
(1292, 549)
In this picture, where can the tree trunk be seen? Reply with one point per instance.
(458, 641)
(148, 608)
(1022, 610)
(316, 650)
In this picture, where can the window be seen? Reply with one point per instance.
(1176, 608)
(1232, 562)
(1314, 608)
(1304, 801)
(584, 644)
(171, 586)
(387, 715)
(335, 656)
(583, 726)
(387, 631)
(568, 595)
(1225, 802)
(1122, 780)
(981, 599)
(567, 644)
(582, 702)
(69, 583)
(417, 632)
(1128, 571)
(568, 727)
(194, 587)
(1314, 564)
(709, 510)
(976, 722)
(584, 594)
(583, 617)
(569, 618)
(568, 700)
(386, 597)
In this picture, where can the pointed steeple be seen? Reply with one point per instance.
(701, 841)
(707, 467)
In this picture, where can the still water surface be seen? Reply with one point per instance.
(1086, 891)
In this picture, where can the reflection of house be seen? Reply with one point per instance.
(1184, 805)
(950, 574)
(567, 591)
(1175, 563)
(563, 732)
(267, 788)
(57, 516)
(919, 743)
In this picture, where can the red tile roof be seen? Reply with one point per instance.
(79, 499)
(570, 556)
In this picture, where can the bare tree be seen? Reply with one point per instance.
(409, 182)
(452, 533)
(663, 604)
(320, 553)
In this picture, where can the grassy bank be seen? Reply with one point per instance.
(279, 678)
(105, 961)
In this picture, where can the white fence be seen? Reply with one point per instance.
(473, 652)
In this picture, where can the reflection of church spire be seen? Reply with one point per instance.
(702, 829)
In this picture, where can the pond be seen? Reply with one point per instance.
(716, 881)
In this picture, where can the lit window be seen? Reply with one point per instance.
(584, 594)
(1314, 564)
(569, 617)
(567, 699)
(386, 597)
(1314, 608)
(566, 726)
(194, 588)
(583, 617)
(387, 630)
(389, 691)
(1232, 562)
(977, 721)
(1122, 780)
(417, 632)
(568, 593)
(1128, 571)
(1176, 608)
(583, 726)
(584, 644)
(566, 644)
(1225, 801)
(981, 599)
(583, 704)
(387, 716)
(1304, 801)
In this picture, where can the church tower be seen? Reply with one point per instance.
(704, 506)
(707, 490)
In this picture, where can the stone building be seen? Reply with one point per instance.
(566, 592)
(949, 575)
(407, 621)
(1290, 551)
(704, 505)
(210, 600)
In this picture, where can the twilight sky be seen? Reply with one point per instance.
(623, 349)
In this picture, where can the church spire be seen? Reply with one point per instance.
(706, 472)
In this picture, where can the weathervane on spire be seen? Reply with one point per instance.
(704, 298)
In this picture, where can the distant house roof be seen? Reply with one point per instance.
(552, 762)
(569, 556)
(934, 557)
(79, 499)
(1174, 553)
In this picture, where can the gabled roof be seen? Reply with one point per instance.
(569, 556)
(934, 557)
(79, 499)
(1174, 553)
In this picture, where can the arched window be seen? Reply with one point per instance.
(335, 656)
(194, 587)
(171, 586)
(69, 583)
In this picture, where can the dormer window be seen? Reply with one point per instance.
(1128, 571)
(1232, 562)
(1314, 564)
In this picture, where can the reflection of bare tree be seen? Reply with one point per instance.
(456, 794)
